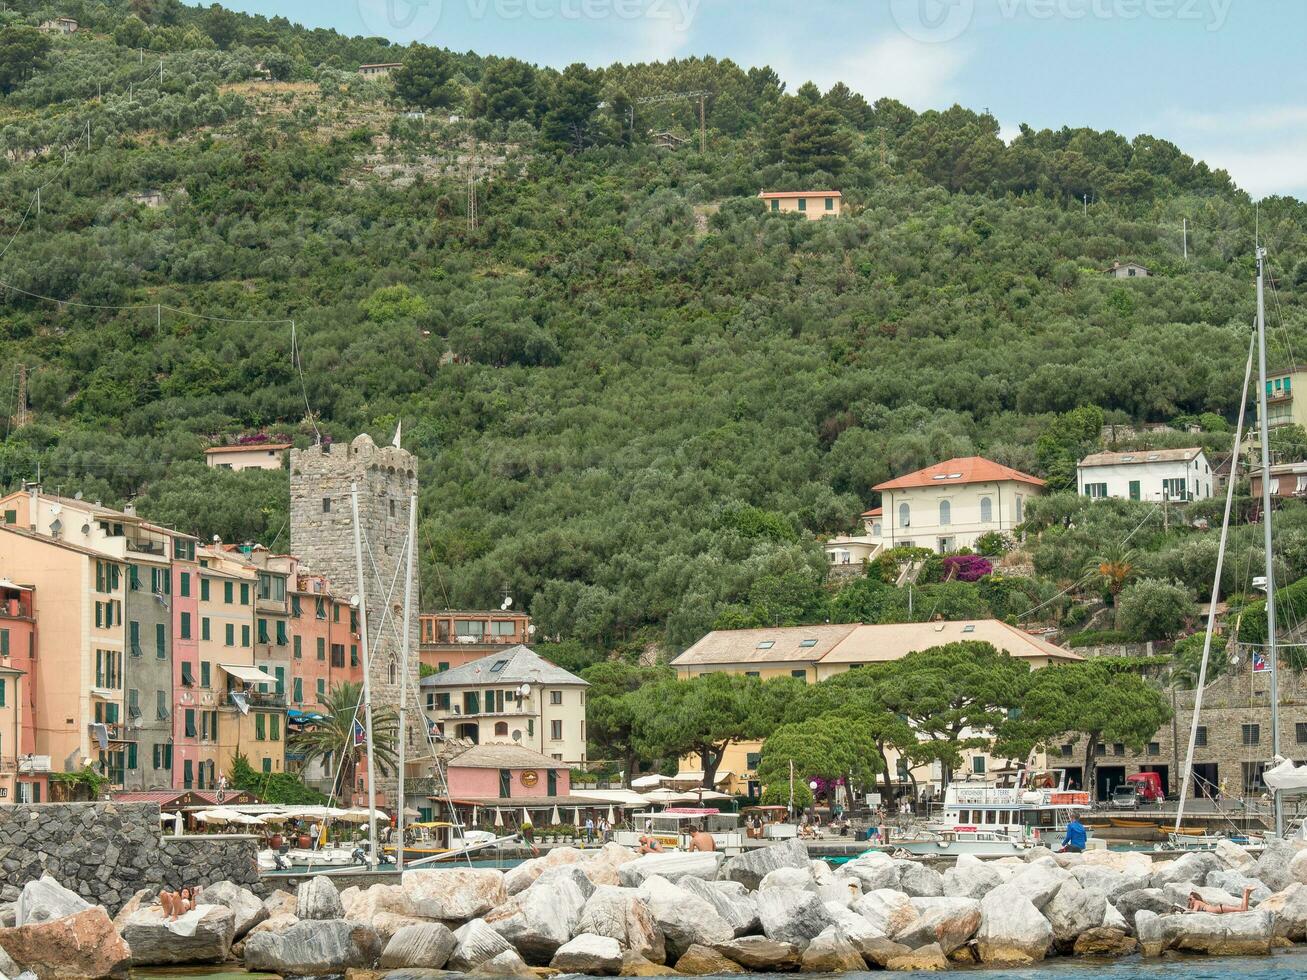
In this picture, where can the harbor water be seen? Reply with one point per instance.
(1289, 965)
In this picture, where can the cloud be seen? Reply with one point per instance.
(1265, 150)
(920, 75)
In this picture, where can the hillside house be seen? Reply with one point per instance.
(259, 456)
(1157, 474)
(1127, 270)
(379, 71)
(855, 550)
(949, 505)
(59, 25)
(1281, 409)
(811, 204)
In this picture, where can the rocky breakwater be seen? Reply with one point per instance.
(609, 912)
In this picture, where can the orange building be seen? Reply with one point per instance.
(455, 637)
(813, 205)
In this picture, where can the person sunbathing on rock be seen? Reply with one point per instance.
(1197, 904)
(650, 845)
(178, 903)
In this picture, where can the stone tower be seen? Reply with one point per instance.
(322, 535)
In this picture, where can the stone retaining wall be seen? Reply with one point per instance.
(107, 851)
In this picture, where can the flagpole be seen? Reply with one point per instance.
(367, 682)
(403, 669)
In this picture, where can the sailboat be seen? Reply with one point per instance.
(1280, 779)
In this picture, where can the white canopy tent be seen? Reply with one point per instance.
(649, 782)
(1285, 777)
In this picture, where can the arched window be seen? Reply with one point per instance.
(945, 512)
(986, 509)
(394, 672)
(905, 515)
(501, 728)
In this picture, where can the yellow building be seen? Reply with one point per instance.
(814, 653)
(80, 716)
(813, 205)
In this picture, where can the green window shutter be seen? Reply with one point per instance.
(160, 641)
(299, 690)
(274, 728)
(204, 628)
(267, 764)
(228, 592)
(2, 693)
(131, 755)
(11, 517)
(4, 643)
(263, 630)
(260, 730)
(775, 204)
(204, 589)
(281, 632)
(245, 593)
(155, 756)
(245, 636)
(186, 625)
(281, 680)
(322, 687)
(322, 649)
(167, 756)
(230, 635)
(206, 674)
(299, 653)
(186, 584)
(295, 605)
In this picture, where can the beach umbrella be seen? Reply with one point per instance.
(526, 817)
(576, 816)
(474, 816)
(499, 818)
(555, 819)
(648, 782)
(611, 817)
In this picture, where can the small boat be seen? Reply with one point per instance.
(966, 840)
(1125, 823)
(1038, 807)
(672, 827)
(429, 838)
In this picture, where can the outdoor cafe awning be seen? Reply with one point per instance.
(250, 675)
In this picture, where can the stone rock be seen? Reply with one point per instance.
(536, 922)
(731, 901)
(1108, 882)
(454, 894)
(684, 919)
(855, 927)
(246, 908)
(1290, 910)
(792, 916)
(8, 967)
(1298, 867)
(1191, 867)
(70, 947)
(318, 898)
(949, 922)
(918, 881)
(840, 889)
(888, 911)
(386, 924)
(505, 964)
(1112, 919)
(1234, 882)
(1233, 857)
(589, 954)
(619, 914)
(1273, 866)
(476, 943)
(750, 867)
(1125, 862)
(635, 965)
(1105, 941)
(280, 902)
(672, 866)
(276, 924)
(366, 903)
(927, 959)
(970, 877)
(1038, 882)
(702, 961)
(800, 878)
(759, 953)
(425, 946)
(313, 947)
(1012, 930)
(1230, 934)
(1178, 894)
(202, 935)
(881, 951)
(523, 876)
(140, 900)
(830, 952)
(1074, 910)
(604, 866)
(45, 899)
(874, 871)
(1152, 899)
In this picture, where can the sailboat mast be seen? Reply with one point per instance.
(367, 683)
(1272, 653)
(1216, 589)
(403, 674)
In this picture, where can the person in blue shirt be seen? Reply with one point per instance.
(1074, 841)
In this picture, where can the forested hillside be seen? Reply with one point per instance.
(640, 399)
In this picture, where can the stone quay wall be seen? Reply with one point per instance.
(106, 852)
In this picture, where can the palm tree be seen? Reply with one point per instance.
(332, 739)
(1113, 569)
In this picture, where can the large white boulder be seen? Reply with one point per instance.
(1234, 882)
(1191, 867)
(454, 894)
(1109, 882)
(1038, 882)
(790, 915)
(732, 900)
(313, 948)
(751, 866)
(685, 919)
(1289, 907)
(620, 914)
(951, 922)
(856, 928)
(539, 920)
(1230, 934)
(45, 899)
(970, 877)
(202, 935)
(318, 898)
(247, 909)
(1013, 932)
(800, 878)
(1273, 866)
(476, 943)
(590, 955)
(1074, 910)
(671, 866)
(421, 946)
(831, 952)
(761, 954)
(1233, 857)
(888, 911)
(603, 867)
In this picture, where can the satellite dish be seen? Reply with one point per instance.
(517, 734)
(531, 630)
(354, 601)
(524, 690)
(56, 508)
(77, 495)
(217, 538)
(508, 601)
(56, 526)
(86, 528)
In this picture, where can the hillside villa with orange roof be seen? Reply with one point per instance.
(949, 505)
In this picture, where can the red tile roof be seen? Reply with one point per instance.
(967, 469)
(250, 448)
(874, 512)
(768, 195)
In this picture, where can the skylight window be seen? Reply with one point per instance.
(497, 666)
(807, 643)
(969, 628)
(1127, 459)
(766, 644)
(947, 476)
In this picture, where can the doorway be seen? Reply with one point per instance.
(1206, 780)
(1108, 778)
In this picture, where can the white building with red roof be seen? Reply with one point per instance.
(949, 505)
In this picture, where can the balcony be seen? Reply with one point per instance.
(272, 699)
(16, 608)
(155, 548)
(116, 733)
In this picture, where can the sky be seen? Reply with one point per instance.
(1224, 79)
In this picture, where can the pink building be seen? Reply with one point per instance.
(505, 775)
(185, 610)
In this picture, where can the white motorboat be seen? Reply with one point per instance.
(993, 818)
(673, 826)
(978, 843)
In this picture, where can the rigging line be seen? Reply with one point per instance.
(138, 307)
(298, 361)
